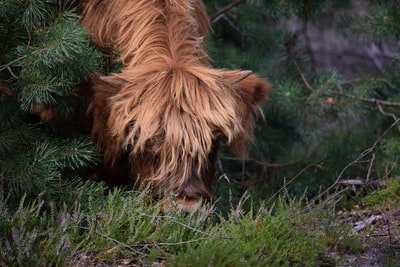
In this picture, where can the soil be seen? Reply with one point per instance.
(379, 235)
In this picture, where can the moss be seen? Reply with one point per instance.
(386, 197)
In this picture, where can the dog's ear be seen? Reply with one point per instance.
(251, 88)
(254, 90)
(256, 87)
(113, 81)
(100, 94)
(99, 86)
(250, 91)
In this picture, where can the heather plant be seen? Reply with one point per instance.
(127, 226)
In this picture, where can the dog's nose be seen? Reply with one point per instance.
(181, 203)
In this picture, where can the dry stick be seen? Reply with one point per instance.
(303, 77)
(379, 103)
(371, 163)
(238, 209)
(362, 155)
(375, 101)
(386, 113)
(366, 152)
(173, 243)
(7, 66)
(225, 9)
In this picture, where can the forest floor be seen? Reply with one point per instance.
(379, 236)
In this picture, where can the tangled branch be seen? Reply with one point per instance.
(339, 178)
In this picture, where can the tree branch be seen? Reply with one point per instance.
(268, 164)
(7, 66)
(339, 177)
(375, 101)
(225, 9)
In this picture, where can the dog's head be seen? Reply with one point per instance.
(171, 122)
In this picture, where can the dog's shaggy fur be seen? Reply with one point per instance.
(167, 109)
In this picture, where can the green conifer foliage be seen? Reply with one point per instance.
(44, 54)
(317, 122)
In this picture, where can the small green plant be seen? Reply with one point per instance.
(102, 228)
(388, 196)
(261, 239)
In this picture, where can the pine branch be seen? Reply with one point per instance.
(296, 65)
(375, 101)
(8, 66)
(225, 9)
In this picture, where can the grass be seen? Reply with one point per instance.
(95, 228)
(389, 196)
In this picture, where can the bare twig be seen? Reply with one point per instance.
(371, 163)
(369, 150)
(115, 241)
(354, 183)
(214, 16)
(239, 206)
(387, 114)
(375, 101)
(296, 65)
(171, 243)
(184, 225)
(234, 27)
(357, 160)
(8, 65)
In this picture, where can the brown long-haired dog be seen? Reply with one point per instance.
(167, 109)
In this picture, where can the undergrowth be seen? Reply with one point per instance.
(94, 228)
(389, 196)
